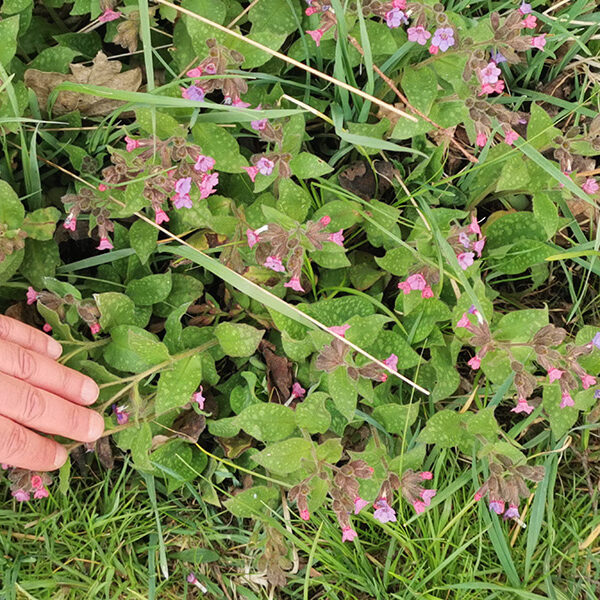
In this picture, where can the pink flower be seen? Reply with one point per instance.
(161, 217)
(204, 163)
(102, 187)
(297, 390)
(463, 238)
(325, 220)
(253, 235)
(194, 93)
(554, 374)
(481, 139)
(590, 186)
(419, 506)
(211, 69)
(294, 283)
(401, 4)
(464, 321)
(252, 172)
(105, 244)
(427, 292)
(426, 475)
(566, 400)
(418, 34)
(348, 534)
(195, 72)
(497, 506)
(433, 49)
(191, 578)
(416, 281)
(337, 238)
(522, 406)
(311, 10)
(265, 166)
(404, 286)
(21, 495)
(538, 41)
(36, 482)
(121, 413)
(359, 504)
(510, 136)
(109, 15)
(383, 511)
(199, 399)
(70, 222)
(316, 35)
(274, 263)
(208, 184)
(474, 226)
(131, 144)
(239, 103)
(395, 17)
(95, 328)
(588, 381)
(478, 246)
(32, 295)
(47, 327)
(304, 514)
(392, 362)
(427, 495)
(182, 193)
(465, 260)
(259, 125)
(529, 22)
(41, 493)
(475, 363)
(492, 88)
(512, 512)
(489, 74)
(443, 38)
(340, 329)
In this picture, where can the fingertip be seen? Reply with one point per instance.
(53, 348)
(96, 427)
(89, 391)
(60, 457)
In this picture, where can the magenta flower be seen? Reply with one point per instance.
(512, 512)
(204, 163)
(566, 400)
(464, 321)
(489, 74)
(481, 139)
(297, 390)
(539, 41)
(102, 187)
(418, 34)
(419, 506)
(492, 88)
(259, 125)
(161, 217)
(304, 514)
(194, 93)
(465, 260)
(340, 329)
(265, 166)
(211, 69)
(554, 374)
(274, 263)
(510, 136)
(337, 238)
(47, 327)
(427, 292)
(443, 38)
(32, 295)
(427, 495)
(395, 17)
(40, 493)
(109, 15)
(478, 246)
(195, 72)
(426, 475)
(401, 4)
(95, 328)
(121, 413)
(590, 186)
(191, 578)
(239, 103)
(131, 144)
(20, 495)
(294, 283)
(70, 222)
(497, 506)
(475, 363)
(199, 399)
(587, 381)
(416, 281)
(348, 534)
(254, 235)
(474, 226)
(383, 511)
(105, 244)
(392, 362)
(325, 220)
(522, 406)
(316, 35)
(36, 482)
(252, 172)
(359, 504)
(529, 22)
(208, 184)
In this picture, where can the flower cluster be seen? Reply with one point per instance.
(467, 242)
(24, 483)
(506, 485)
(416, 281)
(327, 18)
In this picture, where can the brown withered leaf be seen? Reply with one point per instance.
(359, 178)
(102, 72)
(279, 372)
(234, 447)
(104, 453)
(190, 425)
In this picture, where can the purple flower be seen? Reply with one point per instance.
(443, 38)
(489, 74)
(274, 262)
(193, 93)
(512, 512)
(463, 238)
(121, 413)
(392, 362)
(596, 340)
(265, 166)
(418, 34)
(427, 495)
(465, 260)
(204, 163)
(395, 17)
(497, 506)
(383, 511)
(597, 395)
(337, 238)
(525, 8)
(359, 504)
(259, 125)
(497, 57)
(20, 495)
(182, 193)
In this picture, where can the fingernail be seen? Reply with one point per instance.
(89, 391)
(54, 348)
(96, 427)
(60, 458)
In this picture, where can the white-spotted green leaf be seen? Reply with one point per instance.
(150, 289)
(176, 385)
(284, 457)
(267, 422)
(134, 349)
(238, 339)
(312, 415)
(396, 418)
(253, 502)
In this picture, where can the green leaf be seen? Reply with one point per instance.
(312, 414)
(444, 429)
(520, 325)
(174, 457)
(134, 349)
(331, 257)
(228, 427)
(391, 342)
(420, 87)
(309, 166)
(483, 423)
(512, 228)
(397, 418)
(396, 261)
(185, 289)
(343, 392)
(545, 211)
(119, 309)
(221, 145)
(267, 422)
(294, 201)
(337, 311)
(143, 238)
(284, 457)
(55, 59)
(253, 502)
(276, 16)
(561, 419)
(540, 129)
(238, 339)
(155, 122)
(40, 260)
(364, 330)
(9, 29)
(12, 211)
(176, 386)
(40, 224)
(10, 265)
(519, 256)
(149, 290)
(330, 450)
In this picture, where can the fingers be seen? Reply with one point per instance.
(22, 448)
(46, 412)
(14, 331)
(42, 372)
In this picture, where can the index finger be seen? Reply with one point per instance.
(14, 331)
(46, 374)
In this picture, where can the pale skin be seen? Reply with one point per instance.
(39, 395)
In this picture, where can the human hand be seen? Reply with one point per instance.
(38, 394)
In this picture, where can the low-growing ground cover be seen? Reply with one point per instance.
(334, 267)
